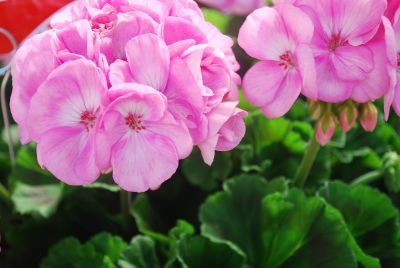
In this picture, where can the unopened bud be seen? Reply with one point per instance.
(368, 116)
(348, 117)
(326, 126)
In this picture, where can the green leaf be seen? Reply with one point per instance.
(234, 214)
(371, 217)
(108, 245)
(207, 177)
(33, 190)
(274, 228)
(182, 228)
(303, 232)
(363, 207)
(140, 253)
(70, 253)
(199, 252)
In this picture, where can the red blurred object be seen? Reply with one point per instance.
(21, 17)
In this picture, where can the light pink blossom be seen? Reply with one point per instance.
(287, 67)
(128, 86)
(68, 105)
(147, 142)
(342, 30)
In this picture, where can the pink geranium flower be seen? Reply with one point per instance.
(68, 104)
(287, 68)
(147, 142)
(342, 30)
(128, 86)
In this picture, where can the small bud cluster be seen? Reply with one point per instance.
(346, 114)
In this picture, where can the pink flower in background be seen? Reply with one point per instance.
(287, 64)
(239, 7)
(126, 85)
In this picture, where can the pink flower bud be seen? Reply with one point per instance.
(368, 116)
(325, 129)
(348, 117)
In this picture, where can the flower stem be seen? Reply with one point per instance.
(125, 199)
(307, 163)
(368, 178)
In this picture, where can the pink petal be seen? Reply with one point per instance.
(262, 81)
(140, 99)
(353, 63)
(130, 25)
(306, 66)
(120, 73)
(207, 149)
(176, 49)
(178, 29)
(77, 38)
(143, 161)
(293, 17)
(232, 132)
(263, 35)
(378, 82)
(68, 153)
(28, 75)
(176, 131)
(285, 96)
(148, 58)
(70, 90)
(357, 21)
(331, 88)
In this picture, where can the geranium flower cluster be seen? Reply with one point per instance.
(341, 54)
(129, 86)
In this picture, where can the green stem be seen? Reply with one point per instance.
(4, 194)
(125, 198)
(307, 163)
(368, 178)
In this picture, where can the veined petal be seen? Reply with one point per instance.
(330, 87)
(262, 82)
(66, 150)
(143, 161)
(352, 63)
(285, 96)
(263, 35)
(178, 29)
(176, 131)
(148, 58)
(70, 90)
(120, 73)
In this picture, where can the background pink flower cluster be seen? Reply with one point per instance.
(331, 51)
(129, 86)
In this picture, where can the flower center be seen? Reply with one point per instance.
(134, 122)
(335, 42)
(286, 60)
(88, 119)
